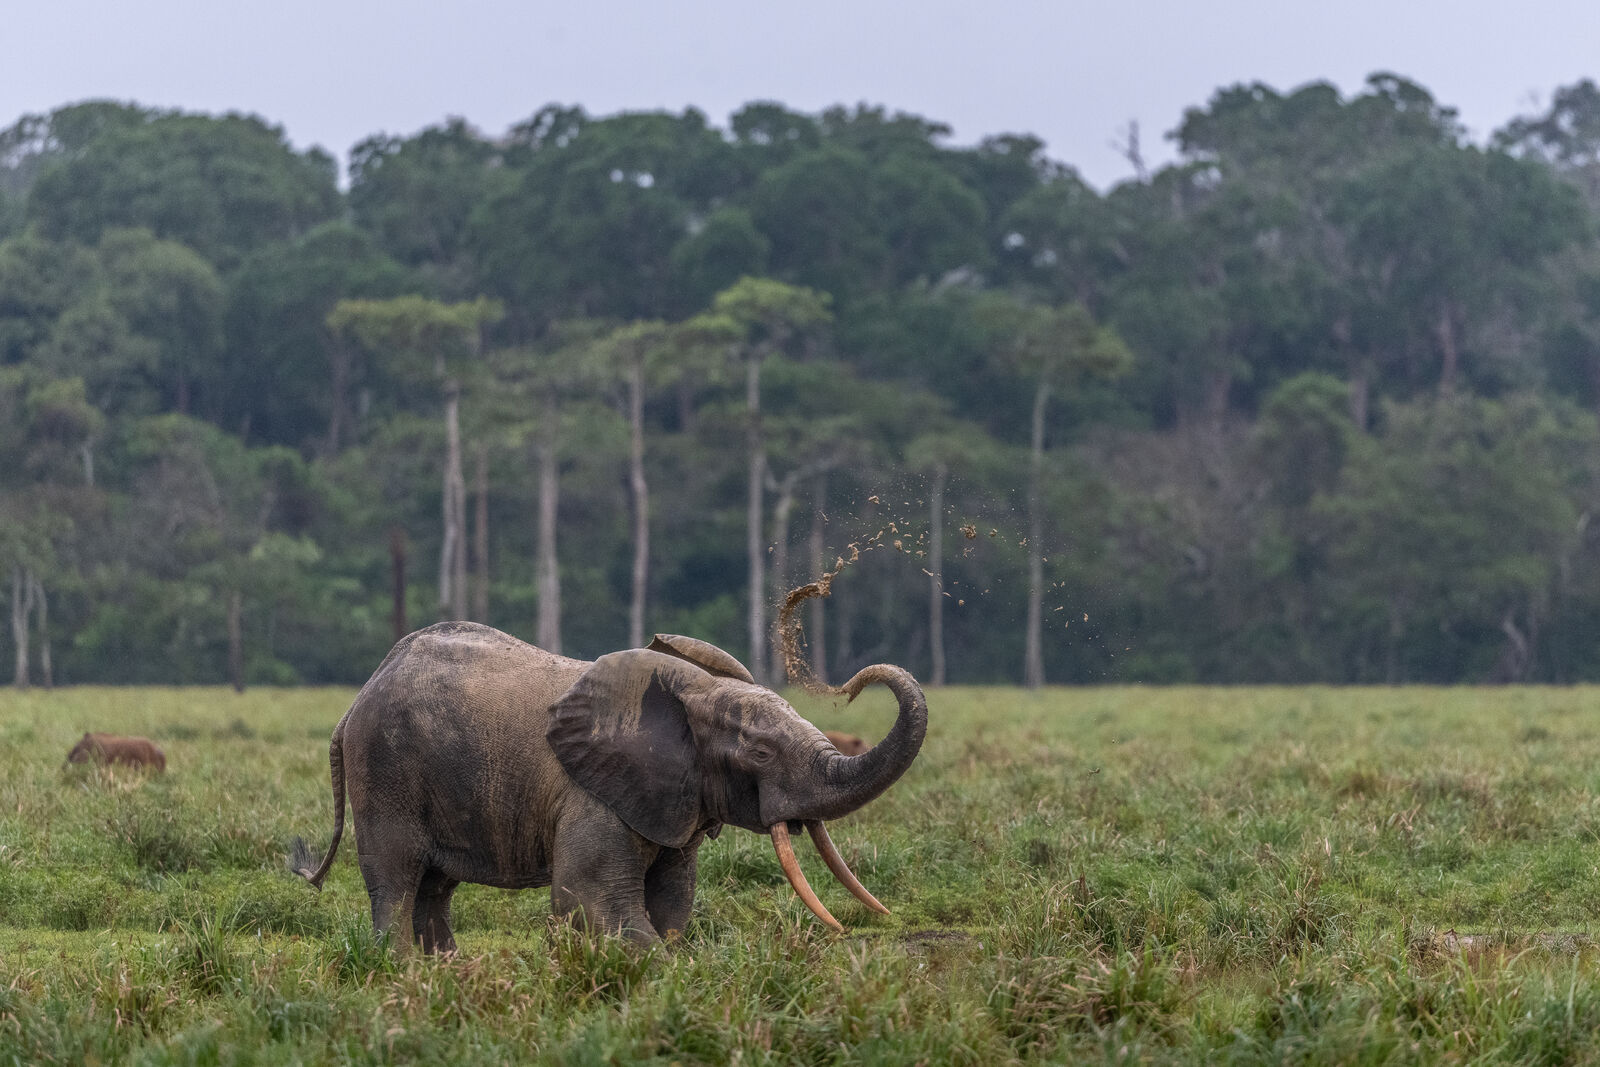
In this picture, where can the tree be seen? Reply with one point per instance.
(1567, 137)
(168, 294)
(1455, 525)
(414, 331)
(46, 494)
(293, 381)
(39, 281)
(223, 186)
(545, 398)
(950, 448)
(767, 317)
(1062, 238)
(632, 351)
(708, 260)
(584, 219)
(208, 513)
(818, 213)
(416, 196)
(1447, 236)
(36, 142)
(1054, 347)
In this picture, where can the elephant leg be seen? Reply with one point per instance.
(392, 882)
(430, 918)
(669, 888)
(598, 870)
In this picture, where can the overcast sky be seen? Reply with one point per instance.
(334, 71)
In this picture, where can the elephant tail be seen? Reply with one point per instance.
(301, 859)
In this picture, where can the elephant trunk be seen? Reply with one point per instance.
(845, 783)
(849, 782)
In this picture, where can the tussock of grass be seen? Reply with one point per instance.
(1250, 876)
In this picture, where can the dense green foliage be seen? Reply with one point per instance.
(1170, 875)
(1316, 403)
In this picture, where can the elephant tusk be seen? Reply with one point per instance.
(841, 870)
(797, 878)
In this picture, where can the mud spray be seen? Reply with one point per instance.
(789, 628)
(790, 633)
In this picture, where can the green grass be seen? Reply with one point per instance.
(1173, 875)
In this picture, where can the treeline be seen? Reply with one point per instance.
(1316, 403)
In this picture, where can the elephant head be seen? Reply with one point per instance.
(677, 738)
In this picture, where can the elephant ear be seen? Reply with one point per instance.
(702, 654)
(622, 733)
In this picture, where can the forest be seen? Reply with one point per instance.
(1315, 403)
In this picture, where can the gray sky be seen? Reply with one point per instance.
(334, 71)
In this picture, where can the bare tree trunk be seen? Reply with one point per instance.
(641, 505)
(815, 636)
(236, 640)
(549, 571)
(42, 604)
(1360, 396)
(936, 565)
(397, 562)
(1359, 371)
(340, 359)
(88, 464)
(21, 608)
(1033, 657)
(1450, 350)
(1515, 658)
(754, 514)
(480, 536)
(453, 548)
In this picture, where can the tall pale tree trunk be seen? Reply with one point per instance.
(1449, 348)
(42, 604)
(816, 636)
(453, 548)
(480, 536)
(21, 608)
(1033, 655)
(640, 490)
(1360, 395)
(547, 567)
(236, 640)
(936, 565)
(754, 514)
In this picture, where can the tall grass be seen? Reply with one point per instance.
(1172, 875)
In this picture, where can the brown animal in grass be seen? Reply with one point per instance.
(112, 748)
(849, 744)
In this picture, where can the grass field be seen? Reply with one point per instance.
(1184, 875)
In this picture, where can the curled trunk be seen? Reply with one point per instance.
(849, 782)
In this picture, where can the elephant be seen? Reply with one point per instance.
(849, 744)
(472, 756)
(112, 748)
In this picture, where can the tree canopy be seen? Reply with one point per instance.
(1318, 401)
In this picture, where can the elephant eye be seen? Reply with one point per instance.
(760, 754)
